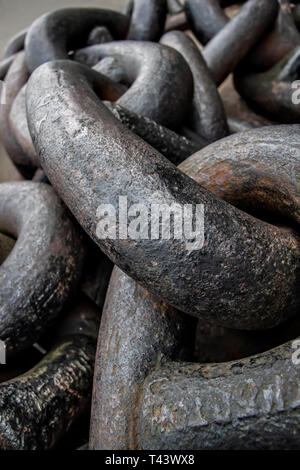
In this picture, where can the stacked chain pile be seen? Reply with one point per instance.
(194, 104)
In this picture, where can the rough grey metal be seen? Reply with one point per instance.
(174, 6)
(15, 44)
(176, 22)
(142, 400)
(13, 120)
(257, 171)
(281, 40)
(15, 79)
(54, 34)
(174, 147)
(271, 93)
(232, 43)
(161, 81)
(19, 128)
(147, 20)
(44, 267)
(40, 406)
(91, 159)
(99, 35)
(208, 117)
(4, 66)
(136, 330)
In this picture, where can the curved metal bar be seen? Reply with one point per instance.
(43, 269)
(5, 65)
(271, 93)
(161, 81)
(49, 398)
(16, 78)
(99, 35)
(232, 43)
(174, 147)
(54, 34)
(174, 7)
(147, 20)
(60, 98)
(113, 69)
(208, 117)
(206, 18)
(250, 403)
(18, 118)
(236, 107)
(296, 14)
(177, 22)
(172, 405)
(239, 125)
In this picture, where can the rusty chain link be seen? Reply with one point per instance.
(191, 109)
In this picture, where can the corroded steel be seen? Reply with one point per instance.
(50, 397)
(41, 273)
(192, 281)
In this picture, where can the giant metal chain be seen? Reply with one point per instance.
(98, 106)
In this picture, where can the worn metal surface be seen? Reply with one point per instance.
(257, 171)
(177, 22)
(206, 18)
(174, 147)
(43, 269)
(270, 93)
(13, 122)
(136, 330)
(192, 281)
(208, 117)
(141, 400)
(247, 274)
(232, 43)
(161, 81)
(6, 245)
(19, 128)
(239, 125)
(55, 393)
(252, 403)
(147, 20)
(54, 34)
(281, 40)
(99, 35)
(174, 6)
(4, 66)
(16, 78)
(236, 107)
(96, 273)
(15, 44)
